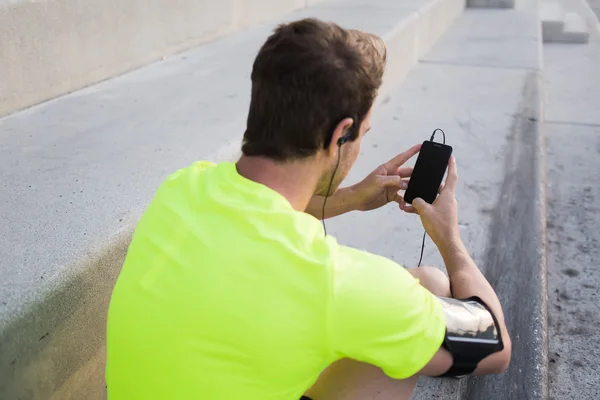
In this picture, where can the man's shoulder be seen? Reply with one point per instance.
(194, 168)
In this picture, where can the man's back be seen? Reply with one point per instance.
(227, 292)
(223, 280)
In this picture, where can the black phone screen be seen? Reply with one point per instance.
(429, 172)
(468, 320)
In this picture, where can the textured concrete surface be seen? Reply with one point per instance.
(78, 171)
(574, 250)
(573, 139)
(488, 102)
(51, 47)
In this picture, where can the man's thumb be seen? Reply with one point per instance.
(419, 204)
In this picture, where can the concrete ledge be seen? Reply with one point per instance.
(94, 159)
(576, 30)
(516, 257)
(491, 3)
(52, 47)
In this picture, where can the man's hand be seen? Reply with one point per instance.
(382, 185)
(376, 190)
(440, 219)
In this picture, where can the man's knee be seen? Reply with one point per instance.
(433, 280)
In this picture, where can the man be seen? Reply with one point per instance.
(231, 289)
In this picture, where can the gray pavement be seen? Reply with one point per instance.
(572, 130)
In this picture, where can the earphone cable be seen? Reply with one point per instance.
(422, 248)
(443, 135)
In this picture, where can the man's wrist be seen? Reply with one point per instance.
(346, 199)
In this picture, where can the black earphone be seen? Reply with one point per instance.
(345, 138)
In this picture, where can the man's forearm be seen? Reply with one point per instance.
(339, 203)
(465, 277)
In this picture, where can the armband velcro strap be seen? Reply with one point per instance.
(465, 361)
(458, 370)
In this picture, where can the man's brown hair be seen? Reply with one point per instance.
(307, 77)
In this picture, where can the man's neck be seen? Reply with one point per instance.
(294, 180)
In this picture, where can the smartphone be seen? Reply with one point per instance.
(429, 172)
(469, 321)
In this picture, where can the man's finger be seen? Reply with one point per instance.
(404, 206)
(409, 209)
(420, 205)
(392, 181)
(405, 172)
(401, 158)
(398, 199)
(452, 178)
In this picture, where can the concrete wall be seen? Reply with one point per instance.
(52, 47)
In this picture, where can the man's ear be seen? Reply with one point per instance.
(341, 130)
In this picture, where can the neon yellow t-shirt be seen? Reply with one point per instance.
(227, 293)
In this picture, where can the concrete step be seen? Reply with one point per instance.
(576, 30)
(79, 170)
(559, 26)
(553, 20)
(491, 3)
(481, 83)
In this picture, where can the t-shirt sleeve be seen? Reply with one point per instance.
(381, 315)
